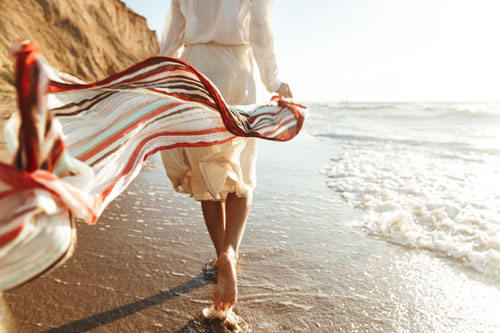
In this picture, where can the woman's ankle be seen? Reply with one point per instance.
(230, 254)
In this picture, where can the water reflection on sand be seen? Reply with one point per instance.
(303, 267)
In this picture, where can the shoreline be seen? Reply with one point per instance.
(145, 255)
(304, 268)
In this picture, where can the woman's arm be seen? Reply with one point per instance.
(172, 36)
(262, 40)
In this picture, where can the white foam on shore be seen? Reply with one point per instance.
(228, 316)
(444, 201)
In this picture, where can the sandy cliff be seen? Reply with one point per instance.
(87, 38)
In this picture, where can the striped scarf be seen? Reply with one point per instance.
(80, 145)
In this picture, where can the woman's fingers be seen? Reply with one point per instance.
(284, 91)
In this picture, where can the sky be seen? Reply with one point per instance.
(380, 50)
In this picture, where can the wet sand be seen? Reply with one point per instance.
(303, 269)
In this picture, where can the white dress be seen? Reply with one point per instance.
(221, 38)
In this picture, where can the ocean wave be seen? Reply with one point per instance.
(444, 149)
(363, 105)
(466, 243)
(420, 200)
(488, 110)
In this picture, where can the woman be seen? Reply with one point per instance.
(221, 38)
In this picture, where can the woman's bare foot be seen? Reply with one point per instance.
(226, 289)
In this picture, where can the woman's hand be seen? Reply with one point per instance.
(284, 91)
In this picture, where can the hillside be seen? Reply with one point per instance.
(90, 39)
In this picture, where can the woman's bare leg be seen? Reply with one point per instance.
(214, 215)
(237, 210)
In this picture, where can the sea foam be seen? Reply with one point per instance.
(438, 196)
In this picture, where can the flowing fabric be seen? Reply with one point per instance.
(211, 173)
(75, 164)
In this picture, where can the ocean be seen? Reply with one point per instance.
(424, 175)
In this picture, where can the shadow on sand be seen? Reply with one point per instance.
(103, 318)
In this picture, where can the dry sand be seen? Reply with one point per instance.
(7, 106)
(91, 39)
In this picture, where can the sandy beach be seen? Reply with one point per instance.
(7, 106)
(140, 267)
(303, 267)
